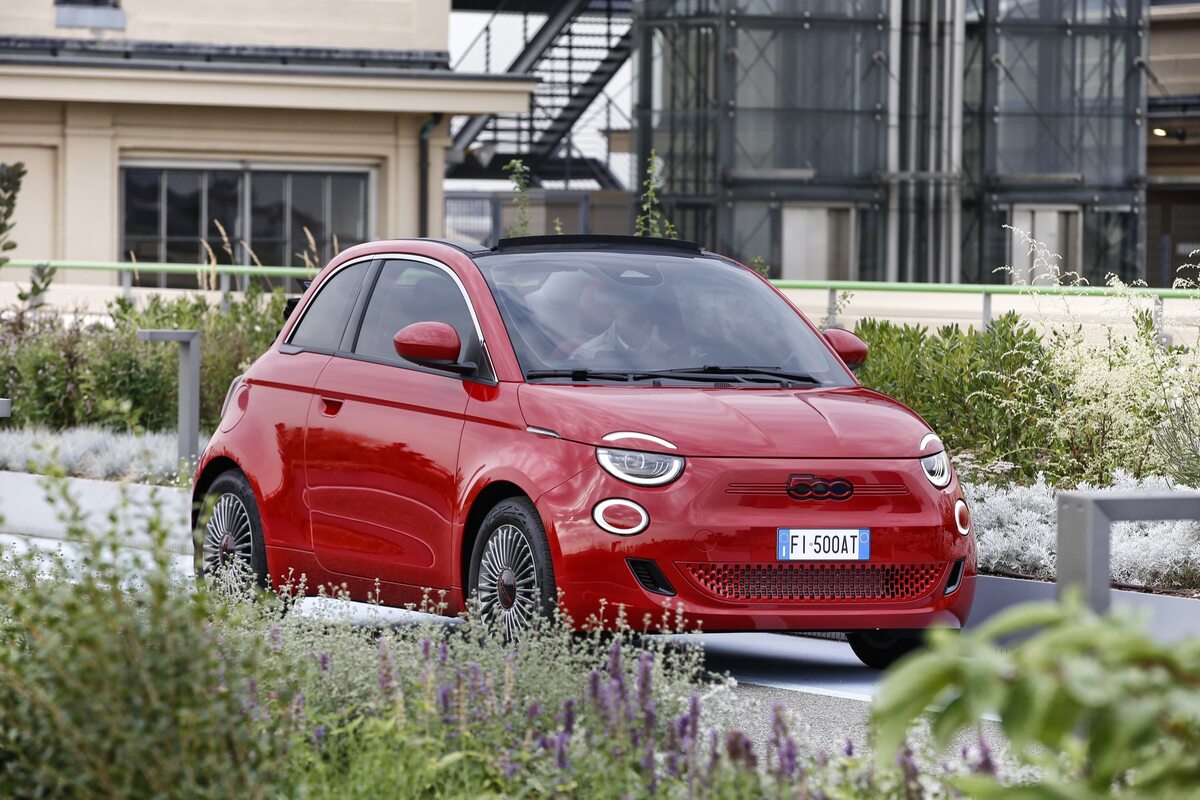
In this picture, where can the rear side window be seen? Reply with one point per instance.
(408, 292)
(325, 319)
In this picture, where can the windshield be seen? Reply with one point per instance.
(613, 315)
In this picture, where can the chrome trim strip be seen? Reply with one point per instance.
(618, 435)
(603, 505)
(542, 431)
(403, 257)
(930, 437)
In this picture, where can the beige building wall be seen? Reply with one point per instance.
(356, 24)
(68, 207)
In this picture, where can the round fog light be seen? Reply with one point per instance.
(622, 517)
(962, 517)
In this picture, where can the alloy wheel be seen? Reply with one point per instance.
(228, 537)
(508, 586)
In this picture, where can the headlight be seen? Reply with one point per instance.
(644, 469)
(937, 469)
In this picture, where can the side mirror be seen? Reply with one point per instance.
(431, 344)
(849, 347)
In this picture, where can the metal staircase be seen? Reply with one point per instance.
(574, 52)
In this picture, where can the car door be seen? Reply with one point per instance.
(383, 434)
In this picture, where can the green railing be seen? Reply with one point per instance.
(834, 288)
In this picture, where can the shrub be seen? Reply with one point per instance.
(62, 370)
(965, 383)
(113, 688)
(1095, 704)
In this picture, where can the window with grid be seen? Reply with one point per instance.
(247, 216)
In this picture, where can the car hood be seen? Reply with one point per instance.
(761, 423)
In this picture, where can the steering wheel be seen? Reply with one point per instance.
(695, 352)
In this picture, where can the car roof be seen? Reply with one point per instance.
(592, 242)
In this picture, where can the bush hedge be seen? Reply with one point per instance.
(64, 370)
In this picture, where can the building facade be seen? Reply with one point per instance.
(901, 140)
(148, 127)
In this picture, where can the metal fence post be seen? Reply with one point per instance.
(1083, 550)
(189, 387)
(5, 408)
(987, 310)
(127, 283)
(831, 309)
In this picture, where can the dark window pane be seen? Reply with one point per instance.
(268, 208)
(184, 251)
(348, 207)
(224, 206)
(406, 293)
(325, 319)
(183, 203)
(142, 201)
(308, 211)
(144, 250)
(270, 252)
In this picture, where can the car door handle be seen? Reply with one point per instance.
(330, 407)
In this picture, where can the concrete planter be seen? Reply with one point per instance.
(1167, 617)
(27, 508)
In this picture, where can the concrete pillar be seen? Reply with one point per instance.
(90, 172)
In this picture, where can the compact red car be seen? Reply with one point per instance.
(629, 422)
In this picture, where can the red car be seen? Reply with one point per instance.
(628, 422)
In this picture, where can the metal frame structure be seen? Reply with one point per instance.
(574, 48)
(904, 110)
(1084, 529)
(189, 386)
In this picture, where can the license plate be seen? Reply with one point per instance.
(823, 544)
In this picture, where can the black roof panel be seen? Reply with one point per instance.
(593, 241)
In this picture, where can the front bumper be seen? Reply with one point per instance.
(712, 537)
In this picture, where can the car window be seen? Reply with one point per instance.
(408, 292)
(325, 319)
(631, 312)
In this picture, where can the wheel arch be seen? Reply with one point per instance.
(212, 470)
(484, 502)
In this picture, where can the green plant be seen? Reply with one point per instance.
(652, 221)
(519, 175)
(117, 681)
(975, 388)
(11, 176)
(1178, 440)
(1095, 704)
(760, 265)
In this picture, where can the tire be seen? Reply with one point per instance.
(229, 531)
(881, 649)
(512, 574)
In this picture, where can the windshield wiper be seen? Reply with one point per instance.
(578, 375)
(770, 372)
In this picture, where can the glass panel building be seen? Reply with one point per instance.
(890, 140)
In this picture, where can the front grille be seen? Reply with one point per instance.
(776, 489)
(815, 582)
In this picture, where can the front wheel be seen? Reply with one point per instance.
(228, 539)
(512, 575)
(881, 649)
